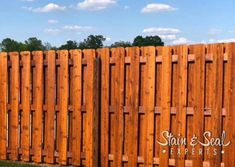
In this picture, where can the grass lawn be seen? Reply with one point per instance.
(14, 164)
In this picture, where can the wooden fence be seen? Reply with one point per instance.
(110, 107)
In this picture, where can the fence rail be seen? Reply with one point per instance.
(109, 107)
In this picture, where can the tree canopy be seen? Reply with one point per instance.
(120, 44)
(91, 42)
(147, 41)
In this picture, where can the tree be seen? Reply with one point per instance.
(147, 41)
(69, 45)
(48, 46)
(121, 44)
(92, 42)
(9, 45)
(33, 44)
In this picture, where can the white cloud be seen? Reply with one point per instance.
(180, 40)
(52, 21)
(95, 5)
(52, 31)
(108, 39)
(168, 37)
(226, 40)
(77, 28)
(161, 31)
(157, 7)
(47, 8)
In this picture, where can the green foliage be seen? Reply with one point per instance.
(10, 45)
(69, 45)
(147, 41)
(92, 42)
(33, 44)
(121, 44)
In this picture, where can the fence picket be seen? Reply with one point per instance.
(77, 106)
(166, 102)
(26, 71)
(50, 103)
(63, 106)
(104, 54)
(3, 105)
(14, 99)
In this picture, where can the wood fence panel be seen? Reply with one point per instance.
(14, 99)
(26, 92)
(65, 108)
(3, 105)
(50, 103)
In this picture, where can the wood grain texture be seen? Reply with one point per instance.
(166, 102)
(63, 106)
(38, 103)
(77, 106)
(134, 54)
(50, 102)
(182, 100)
(14, 99)
(104, 55)
(198, 123)
(3, 105)
(26, 75)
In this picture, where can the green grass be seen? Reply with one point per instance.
(14, 164)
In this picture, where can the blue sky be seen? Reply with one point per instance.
(175, 21)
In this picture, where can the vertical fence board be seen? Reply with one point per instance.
(182, 100)
(14, 122)
(230, 107)
(63, 106)
(26, 71)
(104, 54)
(166, 102)
(50, 103)
(92, 118)
(119, 55)
(134, 54)
(38, 103)
(3, 105)
(198, 123)
(149, 52)
(77, 106)
(216, 116)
